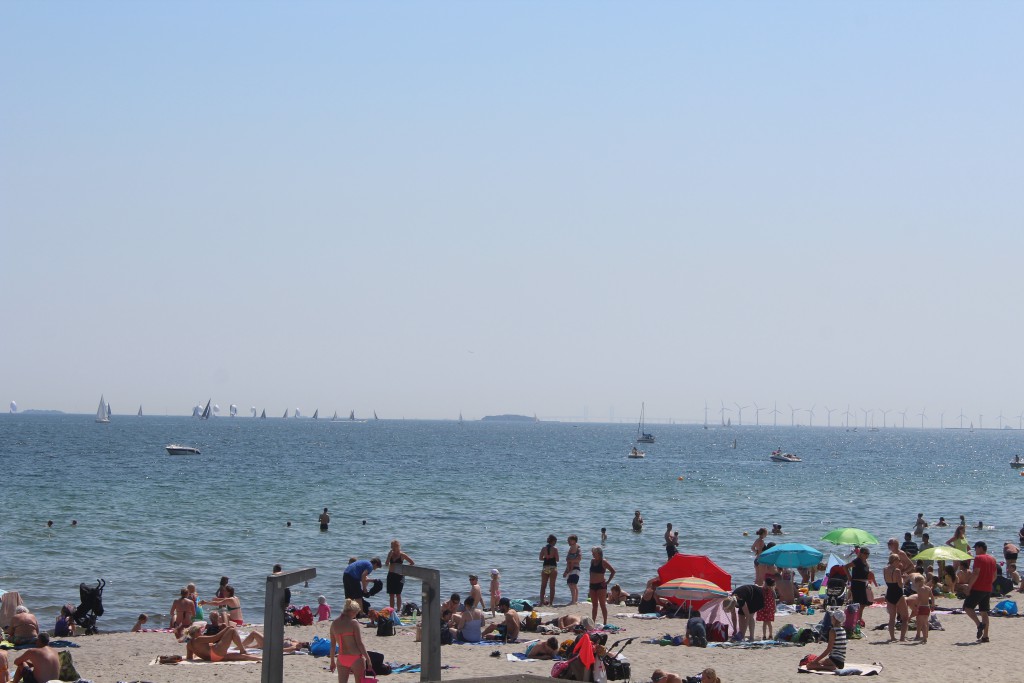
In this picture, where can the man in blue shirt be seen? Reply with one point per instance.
(357, 577)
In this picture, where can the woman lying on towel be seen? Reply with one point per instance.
(215, 648)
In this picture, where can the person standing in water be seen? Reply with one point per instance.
(638, 521)
(325, 520)
(549, 569)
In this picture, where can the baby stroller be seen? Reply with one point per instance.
(91, 607)
(835, 591)
(617, 669)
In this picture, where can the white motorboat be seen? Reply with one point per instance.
(635, 453)
(779, 456)
(1017, 462)
(175, 449)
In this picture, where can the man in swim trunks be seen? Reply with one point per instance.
(980, 582)
(475, 591)
(38, 665)
(24, 628)
(325, 520)
(543, 649)
(508, 631)
(638, 521)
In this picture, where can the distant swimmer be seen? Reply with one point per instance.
(920, 525)
(325, 520)
(638, 521)
(49, 523)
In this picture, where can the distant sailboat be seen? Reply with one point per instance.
(263, 415)
(375, 415)
(460, 418)
(352, 416)
(108, 411)
(316, 414)
(286, 413)
(641, 435)
(335, 418)
(206, 411)
(102, 414)
(140, 411)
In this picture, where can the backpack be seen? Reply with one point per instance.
(385, 627)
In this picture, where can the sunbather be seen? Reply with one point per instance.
(543, 649)
(215, 648)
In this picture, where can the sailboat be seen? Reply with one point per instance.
(375, 415)
(316, 414)
(206, 411)
(335, 418)
(285, 413)
(460, 418)
(102, 413)
(641, 435)
(140, 411)
(263, 415)
(352, 418)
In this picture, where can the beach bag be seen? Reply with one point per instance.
(561, 669)
(1005, 608)
(616, 669)
(368, 677)
(67, 667)
(531, 622)
(446, 634)
(385, 627)
(378, 665)
(319, 647)
(870, 593)
(304, 616)
(808, 659)
(599, 673)
(787, 632)
(410, 609)
(718, 632)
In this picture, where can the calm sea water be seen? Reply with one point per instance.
(461, 497)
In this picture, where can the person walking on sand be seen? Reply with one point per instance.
(549, 569)
(599, 584)
(325, 520)
(395, 581)
(980, 583)
(352, 657)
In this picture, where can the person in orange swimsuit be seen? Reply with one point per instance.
(215, 648)
(352, 657)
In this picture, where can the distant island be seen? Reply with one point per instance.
(36, 411)
(509, 418)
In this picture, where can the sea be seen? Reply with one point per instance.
(461, 497)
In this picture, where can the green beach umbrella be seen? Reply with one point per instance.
(942, 552)
(849, 536)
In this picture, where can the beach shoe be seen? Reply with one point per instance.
(496, 653)
(984, 639)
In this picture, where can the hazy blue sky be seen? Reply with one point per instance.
(428, 207)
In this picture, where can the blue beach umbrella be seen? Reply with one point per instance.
(791, 555)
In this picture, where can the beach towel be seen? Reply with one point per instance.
(634, 615)
(8, 603)
(848, 670)
(521, 657)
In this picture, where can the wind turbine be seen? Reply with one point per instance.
(1000, 418)
(941, 417)
(830, 411)
(981, 421)
(884, 414)
(866, 416)
(792, 415)
(775, 414)
(847, 414)
(739, 413)
(723, 411)
(705, 414)
(962, 416)
(757, 414)
(810, 416)
(923, 417)
(1020, 421)
(904, 414)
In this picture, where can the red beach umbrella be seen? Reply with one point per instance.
(697, 566)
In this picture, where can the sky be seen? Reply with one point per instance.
(555, 208)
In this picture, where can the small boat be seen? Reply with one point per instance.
(140, 411)
(779, 456)
(316, 414)
(635, 454)
(206, 411)
(175, 449)
(641, 435)
(1016, 463)
(263, 415)
(103, 412)
(335, 418)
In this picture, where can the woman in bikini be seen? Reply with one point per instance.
(572, 569)
(215, 648)
(895, 602)
(549, 569)
(352, 657)
(598, 583)
(233, 604)
(395, 581)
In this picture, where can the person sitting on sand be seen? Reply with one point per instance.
(352, 656)
(451, 608)
(834, 656)
(507, 631)
(215, 648)
(5, 666)
(41, 663)
(65, 625)
(24, 628)
(650, 603)
(215, 624)
(617, 596)
(542, 649)
(233, 604)
(140, 623)
(468, 626)
(182, 611)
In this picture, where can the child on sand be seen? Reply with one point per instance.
(766, 615)
(925, 599)
(323, 610)
(495, 590)
(140, 623)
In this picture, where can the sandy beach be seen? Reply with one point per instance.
(952, 654)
